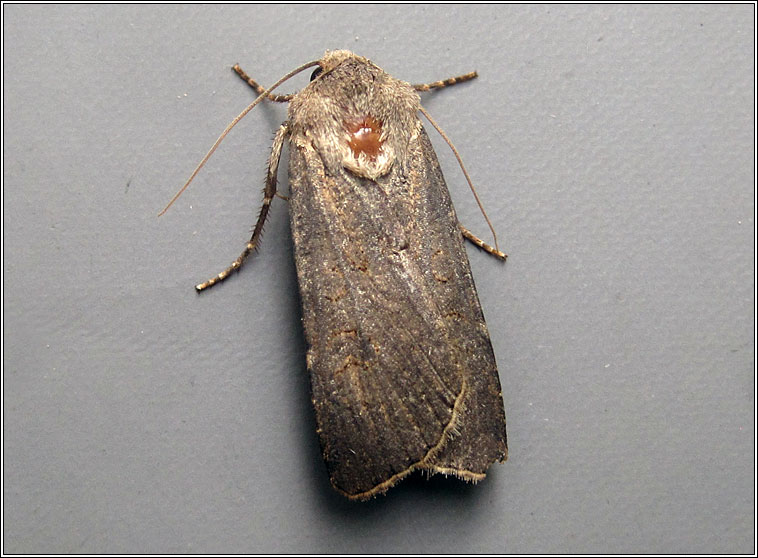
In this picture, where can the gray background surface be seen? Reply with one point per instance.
(613, 148)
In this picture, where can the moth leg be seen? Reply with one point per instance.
(268, 195)
(258, 88)
(443, 83)
(481, 244)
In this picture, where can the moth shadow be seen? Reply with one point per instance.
(417, 490)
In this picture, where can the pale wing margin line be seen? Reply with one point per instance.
(444, 437)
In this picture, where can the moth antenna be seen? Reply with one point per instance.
(465, 172)
(231, 125)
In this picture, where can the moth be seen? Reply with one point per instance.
(402, 371)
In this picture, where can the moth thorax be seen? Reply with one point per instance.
(364, 151)
(365, 136)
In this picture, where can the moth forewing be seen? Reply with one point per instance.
(403, 375)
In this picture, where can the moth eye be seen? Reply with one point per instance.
(316, 72)
(365, 136)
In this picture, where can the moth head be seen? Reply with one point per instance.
(333, 58)
(356, 115)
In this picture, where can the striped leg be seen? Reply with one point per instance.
(268, 194)
(443, 83)
(481, 244)
(258, 88)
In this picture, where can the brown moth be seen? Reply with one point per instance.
(403, 375)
